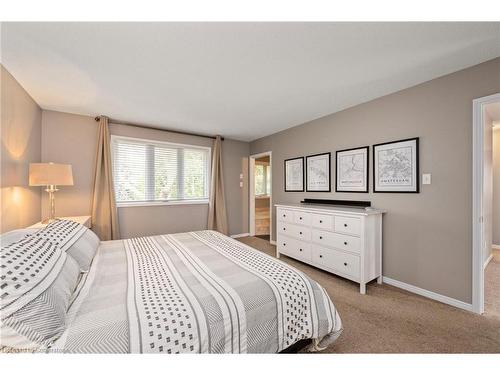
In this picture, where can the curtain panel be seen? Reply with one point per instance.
(104, 213)
(217, 217)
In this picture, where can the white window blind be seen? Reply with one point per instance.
(150, 171)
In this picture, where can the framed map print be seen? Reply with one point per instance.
(294, 174)
(395, 167)
(318, 172)
(351, 172)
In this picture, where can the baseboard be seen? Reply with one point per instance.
(496, 247)
(488, 261)
(427, 293)
(240, 235)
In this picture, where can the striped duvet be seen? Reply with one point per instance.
(196, 292)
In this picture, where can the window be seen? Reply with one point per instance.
(159, 172)
(262, 179)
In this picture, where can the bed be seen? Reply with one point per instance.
(195, 292)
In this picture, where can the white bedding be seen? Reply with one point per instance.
(196, 292)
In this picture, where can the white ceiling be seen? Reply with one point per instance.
(241, 80)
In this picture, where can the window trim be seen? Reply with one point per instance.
(173, 202)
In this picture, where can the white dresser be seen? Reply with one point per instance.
(343, 241)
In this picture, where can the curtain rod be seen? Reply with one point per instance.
(157, 128)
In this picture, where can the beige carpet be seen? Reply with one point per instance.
(391, 320)
(492, 286)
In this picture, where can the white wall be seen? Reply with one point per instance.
(496, 186)
(487, 185)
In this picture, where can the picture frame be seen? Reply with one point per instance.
(294, 174)
(396, 166)
(352, 170)
(318, 172)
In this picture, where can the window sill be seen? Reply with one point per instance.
(161, 203)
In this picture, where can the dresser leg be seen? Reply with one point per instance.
(277, 254)
(379, 279)
(362, 288)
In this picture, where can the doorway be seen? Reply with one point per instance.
(486, 205)
(261, 195)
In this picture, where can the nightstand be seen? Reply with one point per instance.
(84, 220)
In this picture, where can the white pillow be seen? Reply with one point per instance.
(14, 235)
(37, 281)
(75, 239)
(39, 272)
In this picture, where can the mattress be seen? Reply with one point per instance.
(195, 292)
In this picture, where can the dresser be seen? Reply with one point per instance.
(343, 241)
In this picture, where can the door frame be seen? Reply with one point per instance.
(251, 192)
(477, 199)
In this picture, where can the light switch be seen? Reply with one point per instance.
(426, 179)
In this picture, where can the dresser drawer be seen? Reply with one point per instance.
(297, 231)
(294, 248)
(338, 241)
(303, 233)
(322, 221)
(285, 215)
(338, 261)
(349, 225)
(302, 218)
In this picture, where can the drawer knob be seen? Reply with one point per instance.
(321, 256)
(284, 244)
(345, 225)
(284, 215)
(345, 243)
(320, 237)
(345, 263)
(300, 232)
(284, 228)
(300, 249)
(300, 218)
(320, 221)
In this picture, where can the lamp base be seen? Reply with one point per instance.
(51, 189)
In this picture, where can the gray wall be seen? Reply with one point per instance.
(20, 134)
(496, 186)
(71, 139)
(427, 236)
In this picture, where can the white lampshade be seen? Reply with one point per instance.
(43, 174)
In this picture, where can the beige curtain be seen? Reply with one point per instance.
(217, 218)
(104, 214)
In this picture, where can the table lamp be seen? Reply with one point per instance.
(50, 175)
